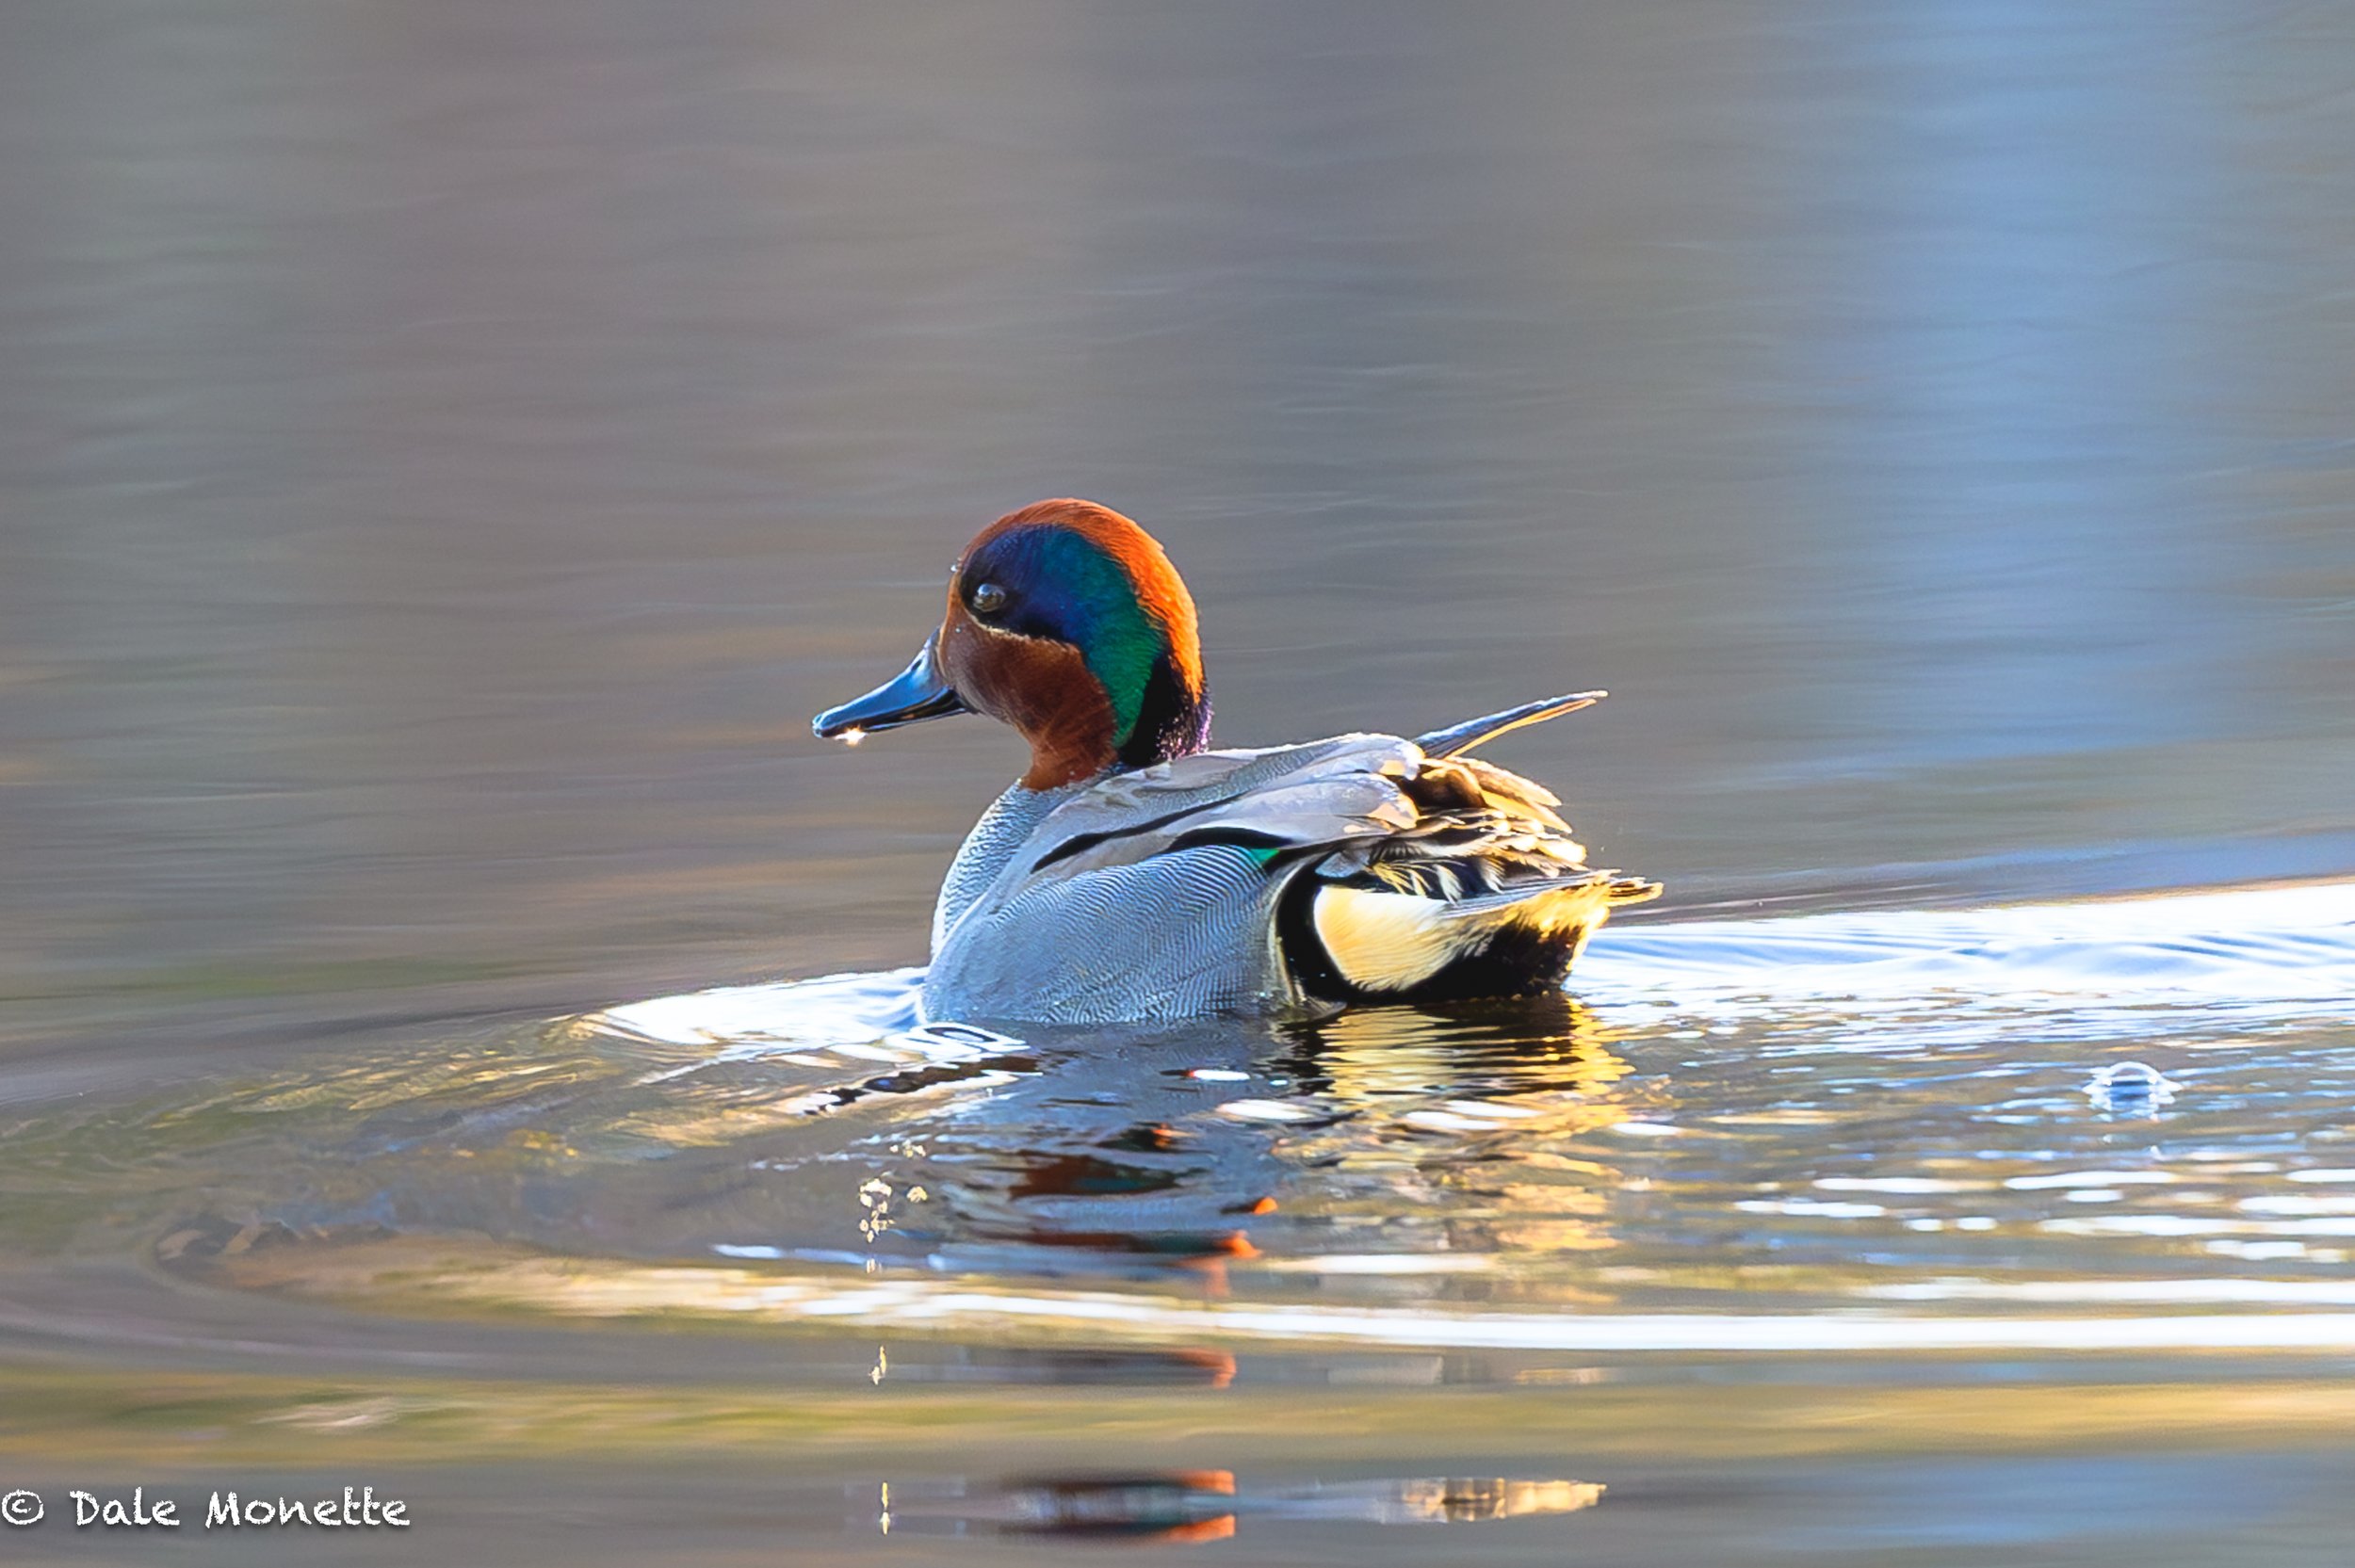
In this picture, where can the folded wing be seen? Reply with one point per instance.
(1386, 868)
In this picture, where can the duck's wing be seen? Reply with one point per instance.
(1369, 809)
(1358, 867)
(1155, 893)
(1375, 801)
(1285, 797)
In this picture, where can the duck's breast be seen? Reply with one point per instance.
(1004, 830)
(1187, 933)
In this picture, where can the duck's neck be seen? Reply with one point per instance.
(1003, 829)
(1079, 731)
(1070, 749)
(1172, 716)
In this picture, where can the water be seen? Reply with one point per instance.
(446, 453)
(1785, 1230)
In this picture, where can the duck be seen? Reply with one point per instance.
(1135, 873)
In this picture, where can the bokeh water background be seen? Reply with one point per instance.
(448, 451)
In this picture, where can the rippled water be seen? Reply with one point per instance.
(446, 453)
(1815, 1134)
(1836, 1149)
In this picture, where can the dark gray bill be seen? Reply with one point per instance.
(918, 693)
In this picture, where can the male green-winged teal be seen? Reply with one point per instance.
(1133, 873)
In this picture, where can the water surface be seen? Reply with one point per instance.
(446, 453)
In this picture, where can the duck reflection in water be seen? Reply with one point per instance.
(1186, 1507)
(1390, 1128)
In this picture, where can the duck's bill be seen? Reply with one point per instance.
(919, 692)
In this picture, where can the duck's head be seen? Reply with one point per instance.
(1067, 621)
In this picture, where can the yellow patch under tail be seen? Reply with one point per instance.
(1383, 942)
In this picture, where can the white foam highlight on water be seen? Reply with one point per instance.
(830, 1012)
(917, 1305)
(2263, 945)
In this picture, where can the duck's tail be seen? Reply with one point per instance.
(1458, 738)
(1470, 886)
(1376, 943)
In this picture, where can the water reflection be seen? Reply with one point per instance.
(1371, 1058)
(1176, 1507)
(1396, 1111)
(1183, 1507)
(1662, 1165)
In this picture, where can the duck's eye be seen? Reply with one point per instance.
(988, 599)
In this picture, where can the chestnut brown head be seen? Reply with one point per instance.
(1065, 621)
